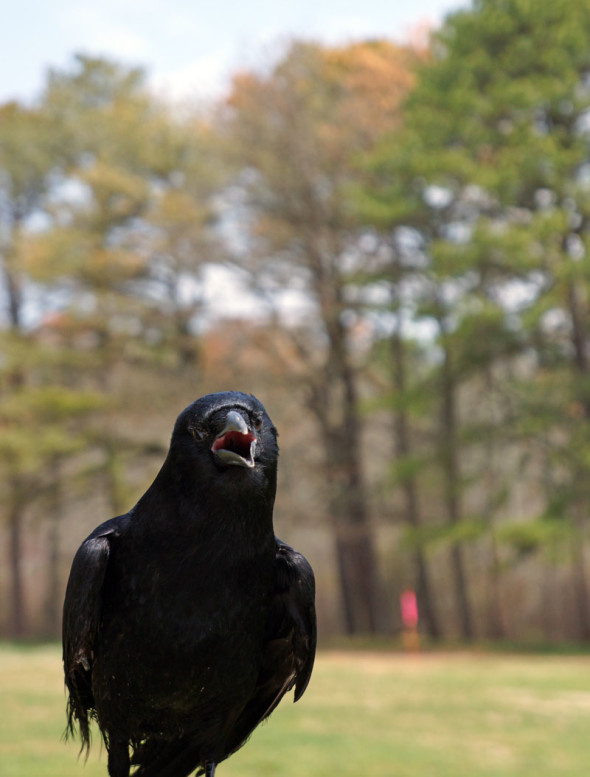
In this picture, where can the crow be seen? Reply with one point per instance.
(186, 620)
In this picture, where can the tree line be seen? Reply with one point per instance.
(413, 225)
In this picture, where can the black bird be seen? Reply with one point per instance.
(186, 620)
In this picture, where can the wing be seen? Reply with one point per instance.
(289, 650)
(81, 621)
(294, 620)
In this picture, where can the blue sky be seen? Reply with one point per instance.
(189, 47)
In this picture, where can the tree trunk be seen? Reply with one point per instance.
(52, 608)
(12, 277)
(355, 555)
(355, 551)
(15, 525)
(495, 620)
(579, 342)
(335, 404)
(402, 449)
(580, 581)
(450, 463)
(495, 625)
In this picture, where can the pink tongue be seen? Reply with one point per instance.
(234, 441)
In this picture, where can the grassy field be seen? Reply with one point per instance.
(367, 715)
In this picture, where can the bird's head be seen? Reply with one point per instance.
(227, 431)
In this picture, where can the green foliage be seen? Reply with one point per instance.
(432, 537)
(405, 468)
(42, 424)
(50, 404)
(105, 211)
(488, 172)
(26, 147)
(435, 203)
(530, 537)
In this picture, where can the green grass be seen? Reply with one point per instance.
(364, 714)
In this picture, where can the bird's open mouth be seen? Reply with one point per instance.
(235, 447)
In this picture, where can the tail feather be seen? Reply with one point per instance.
(78, 717)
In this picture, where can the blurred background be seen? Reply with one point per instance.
(377, 220)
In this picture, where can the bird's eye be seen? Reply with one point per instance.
(257, 422)
(197, 432)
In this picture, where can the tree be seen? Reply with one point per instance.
(105, 219)
(406, 462)
(139, 228)
(491, 159)
(40, 429)
(26, 166)
(295, 132)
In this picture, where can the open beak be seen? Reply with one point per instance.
(235, 444)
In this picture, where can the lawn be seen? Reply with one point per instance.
(364, 715)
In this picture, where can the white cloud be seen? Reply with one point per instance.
(98, 29)
(204, 77)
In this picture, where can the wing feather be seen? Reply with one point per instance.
(290, 645)
(81, 623)
(296, 586)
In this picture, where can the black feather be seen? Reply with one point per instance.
(186, 620)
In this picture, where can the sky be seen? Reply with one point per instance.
(189, 48)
